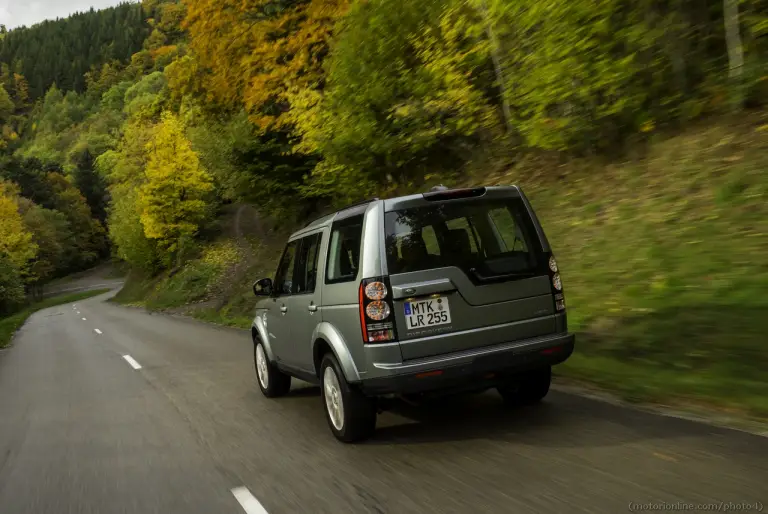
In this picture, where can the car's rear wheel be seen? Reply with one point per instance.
(351, 415)
(272, 381)
(527, 389)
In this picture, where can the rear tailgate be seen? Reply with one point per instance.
(466, 272)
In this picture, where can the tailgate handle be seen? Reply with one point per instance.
(442, 285)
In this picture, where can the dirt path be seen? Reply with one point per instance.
(246, 223)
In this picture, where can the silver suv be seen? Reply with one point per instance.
(447, 291)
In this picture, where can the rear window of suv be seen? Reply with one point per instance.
(487, 239)
(344, 250)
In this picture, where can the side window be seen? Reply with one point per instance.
(284, 276)
(306, 269)
(344, 250)
(506, 227)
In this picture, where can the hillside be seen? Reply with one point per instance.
(662, 259)
(62, 51)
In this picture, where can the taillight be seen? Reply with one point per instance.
(557, 284)
(377, 320)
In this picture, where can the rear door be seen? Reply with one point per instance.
(303, 304)
(466, 271)
(279, 316)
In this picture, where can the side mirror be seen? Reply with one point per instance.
(263, 287)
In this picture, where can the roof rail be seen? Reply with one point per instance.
(356, 204)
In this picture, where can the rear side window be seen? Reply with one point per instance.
(306, 266)
(344, 250)
(284, 275)
(487, 239)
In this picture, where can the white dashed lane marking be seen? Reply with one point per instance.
(130, 360)
(85, 319)
(247, 501)
(97, 330)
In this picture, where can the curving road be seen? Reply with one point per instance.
(181, 427)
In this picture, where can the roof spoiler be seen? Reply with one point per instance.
(441, 192)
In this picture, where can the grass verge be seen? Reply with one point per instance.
(664, 268)
(10, 324)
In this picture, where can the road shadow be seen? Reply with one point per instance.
(718, 342)
(303, 391)
(562, 420)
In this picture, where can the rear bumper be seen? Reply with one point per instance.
(472, 369)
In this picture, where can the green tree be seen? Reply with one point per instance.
(400, 100)
(89, 234)
(62, 51)
(6, 105)
(51, 233)
(11, 286)
(90, 184)
(127, 233)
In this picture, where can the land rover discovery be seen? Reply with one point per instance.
(447, 291)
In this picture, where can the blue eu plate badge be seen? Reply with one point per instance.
(407, 308)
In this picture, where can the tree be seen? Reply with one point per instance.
(62, 51)
(400, 99)
(90, 184)
(16, 243)
(89, 240)
(6, 105)
(11, 286)
(51, 233)
(127, 233)
(21, 90)
(735, 50)
(30, 176)
(173, 200)
(259, 52)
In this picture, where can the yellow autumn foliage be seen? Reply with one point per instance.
(173, 199)
(258, 53)
(15, 240)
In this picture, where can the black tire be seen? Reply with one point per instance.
(528, 389)
(358, 413)
(277, 382)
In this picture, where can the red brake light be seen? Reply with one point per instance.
(377, 319)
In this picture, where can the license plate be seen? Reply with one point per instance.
(427, 313)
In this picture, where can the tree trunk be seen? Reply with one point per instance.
(495, 50)
(735, 50)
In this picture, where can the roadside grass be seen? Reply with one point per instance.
(195, 290)
(9, 325)
(664, 267)
(663, 257)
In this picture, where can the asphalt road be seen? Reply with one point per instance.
(83, 431)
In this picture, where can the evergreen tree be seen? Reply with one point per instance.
(61, 51)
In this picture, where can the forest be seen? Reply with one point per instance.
(124, 131)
